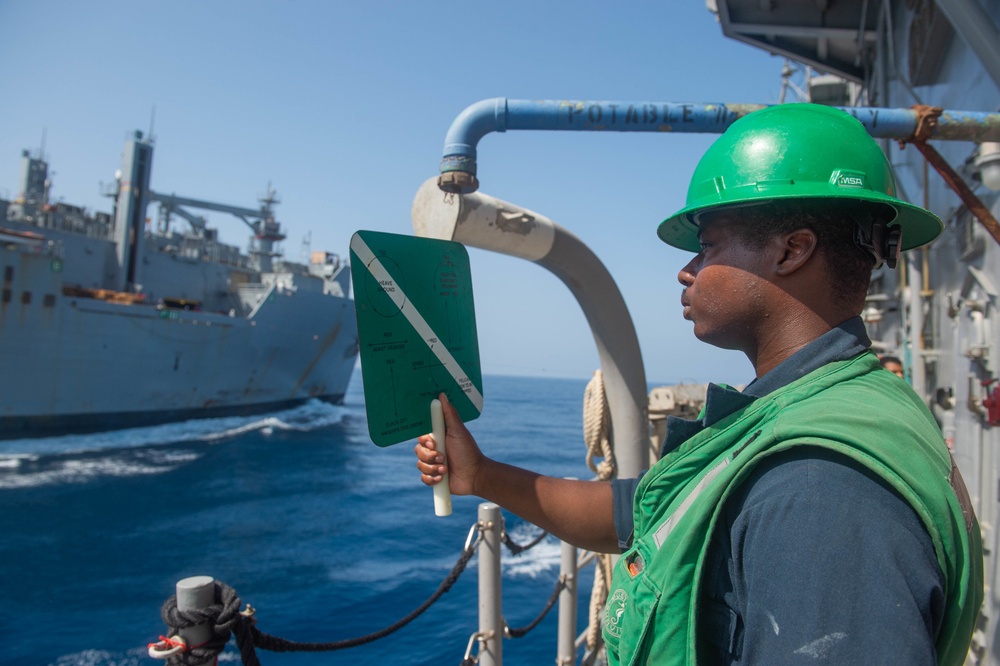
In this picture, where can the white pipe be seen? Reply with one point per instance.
(479, 220)
(482, 221)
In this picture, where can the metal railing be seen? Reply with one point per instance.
(491, 622)
(204, 613)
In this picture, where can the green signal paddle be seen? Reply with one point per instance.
(417, 337)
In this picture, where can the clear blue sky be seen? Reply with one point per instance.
(344, 107)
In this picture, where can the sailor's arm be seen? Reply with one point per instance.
(579, 512)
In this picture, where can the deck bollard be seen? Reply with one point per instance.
(192, 593)
(490, 607)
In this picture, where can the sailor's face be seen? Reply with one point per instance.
(724, 289)
(894, 368)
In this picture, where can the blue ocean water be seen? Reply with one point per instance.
(328, 536)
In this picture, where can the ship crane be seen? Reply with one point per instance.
(197, 222)
(267, 230)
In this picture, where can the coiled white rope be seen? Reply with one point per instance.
(597, 437)
(597, 428)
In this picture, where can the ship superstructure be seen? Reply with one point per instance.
(938, 310)
(108, 321)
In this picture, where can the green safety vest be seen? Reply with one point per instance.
(852, 407)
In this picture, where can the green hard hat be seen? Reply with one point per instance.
(800, 152)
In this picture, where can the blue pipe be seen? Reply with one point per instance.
(458, 165)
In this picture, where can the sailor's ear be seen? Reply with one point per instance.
(793, 251)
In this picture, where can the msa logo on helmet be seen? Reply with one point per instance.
(850, 179)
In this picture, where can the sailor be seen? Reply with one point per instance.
(817, 515)
(892, 364)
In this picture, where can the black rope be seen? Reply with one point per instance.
(225, 618)
(516, 549)
(520, 633)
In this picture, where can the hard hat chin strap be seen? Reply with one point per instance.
(879, 240)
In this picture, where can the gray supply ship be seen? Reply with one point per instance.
(107, 322)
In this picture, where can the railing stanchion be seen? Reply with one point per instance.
(490, 607)
(566, 655)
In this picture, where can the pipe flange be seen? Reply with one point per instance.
(458, 182)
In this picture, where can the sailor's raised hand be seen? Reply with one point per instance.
(464, 456)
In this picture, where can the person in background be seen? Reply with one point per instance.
(815, 516)
(892, 364)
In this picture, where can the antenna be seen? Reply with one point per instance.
(305, 251)
(152, 120)
(41, 150)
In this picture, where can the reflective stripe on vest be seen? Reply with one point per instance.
(664, 530)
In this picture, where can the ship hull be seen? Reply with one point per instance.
(75, 364)
(66, 424)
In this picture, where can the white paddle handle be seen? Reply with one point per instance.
(442, 494)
